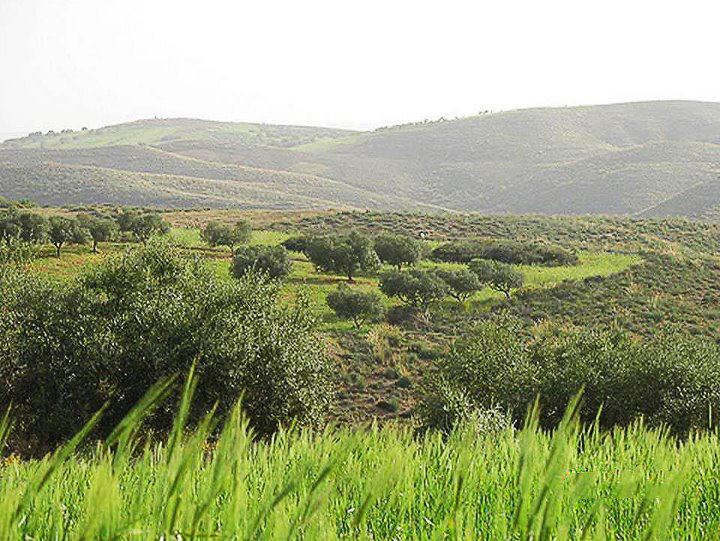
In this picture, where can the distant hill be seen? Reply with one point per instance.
(650, 159)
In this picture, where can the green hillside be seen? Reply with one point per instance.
(652, 158)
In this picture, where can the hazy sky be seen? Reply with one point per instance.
(73, 63)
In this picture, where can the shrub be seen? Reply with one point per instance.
(69, 348)
(415, 287)
(270, 260)
(457, 251)
(345, 254)
(296, 243)
(510, 252)
(398, 250)
(462, 283)
(358, 306)
(497, 276)
(671, 380)
(527, 253)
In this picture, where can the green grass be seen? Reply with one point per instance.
(381, 483)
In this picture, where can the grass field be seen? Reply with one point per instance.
(631, 483)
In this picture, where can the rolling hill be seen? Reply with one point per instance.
(649, 159)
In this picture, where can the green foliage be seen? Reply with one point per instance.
(398, 250)
(33, 227)
(9, 224)
(143, 226)
(358, 306)
(220, 234)
(101, 230)
(343, 254)
(272, 261)
(498, 276)
(137, 318)
(510, 252)
(62, 231)
(462, 283)
(671, 380)
(417, 288)
(296, 243)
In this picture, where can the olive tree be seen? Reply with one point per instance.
(9, 225)
(343, 254)
(398, 250)
(270, 260)
(143, 226)
(33, 227)
(418, 288)
(220, 234)
(101, 230)
(462, 283)
(497, 276)
(358, 306)
(62, 231)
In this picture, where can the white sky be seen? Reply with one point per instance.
(345, 63)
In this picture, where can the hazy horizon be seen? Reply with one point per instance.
(81, 63)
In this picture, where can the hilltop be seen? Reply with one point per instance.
(649, 158)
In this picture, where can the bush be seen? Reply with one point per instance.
(497, 276)
(398, 250)
(270, 260)
(358, 306)
(457, 251)
(462, 283)
(510, 252)
(345, 255)
(68, 348)
(415, 287)
(296, 243)
(672, 380)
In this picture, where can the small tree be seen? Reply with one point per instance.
(9, 225)
(398, 250)
(271, 260)
(61, 231)
(220, 234)
(101, 230)
(497, 276)
(358, 306)
(33, 227)
(143, 226)
(345, 255)
(415, 287)
(462, 283)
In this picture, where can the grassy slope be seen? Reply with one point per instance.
(240, 187)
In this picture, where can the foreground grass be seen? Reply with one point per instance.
(381, 483)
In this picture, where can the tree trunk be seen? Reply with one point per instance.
(57, 250)
(95, 245)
